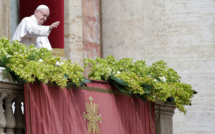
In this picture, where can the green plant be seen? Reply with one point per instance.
(29, 64)
(155, 82)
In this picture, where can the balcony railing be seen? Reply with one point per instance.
(12, 120)
(11, 123)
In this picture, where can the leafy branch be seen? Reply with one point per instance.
(30, 64)
(155, 82)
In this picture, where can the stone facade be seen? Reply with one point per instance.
(91, 28)
(179, 32)
(73, 31)
(82, 30)
(5, 18)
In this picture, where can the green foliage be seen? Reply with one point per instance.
(28, 64)
(155, 82)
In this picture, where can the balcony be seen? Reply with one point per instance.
(12, 119)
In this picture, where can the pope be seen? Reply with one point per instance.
(32, 31)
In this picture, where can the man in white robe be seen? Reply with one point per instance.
(31, 31)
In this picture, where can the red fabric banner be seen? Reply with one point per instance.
(51, 110)
(56, 37)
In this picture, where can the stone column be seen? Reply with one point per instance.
(91, 30)
(2, 116)
(163, 118)
(73, 31)
(20, 125)
(10, 119)
(5, 18)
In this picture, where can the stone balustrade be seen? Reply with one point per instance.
(11, 123)
(11, 120)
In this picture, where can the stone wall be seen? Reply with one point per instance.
(179, 32)
(14, 16)
(82, 30)
(5, 18)
(73, 31)
(91, 28)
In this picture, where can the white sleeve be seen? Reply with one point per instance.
(35, 30)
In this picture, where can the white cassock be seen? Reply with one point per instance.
(30, 32)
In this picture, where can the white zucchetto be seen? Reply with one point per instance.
(42, 7)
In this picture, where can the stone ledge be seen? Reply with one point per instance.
(163, 117)
(165, 107)
(7, 79)
(7, 85)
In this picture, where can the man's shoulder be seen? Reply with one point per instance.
(26, 18)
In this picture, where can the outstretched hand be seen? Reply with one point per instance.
(54, 25)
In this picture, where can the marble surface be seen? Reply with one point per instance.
(179, 32)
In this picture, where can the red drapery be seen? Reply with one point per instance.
(51, 110)
(27, 8)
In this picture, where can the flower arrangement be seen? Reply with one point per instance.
(155, 82)
(29, 64)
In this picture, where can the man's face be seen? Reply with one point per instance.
(42, 15)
